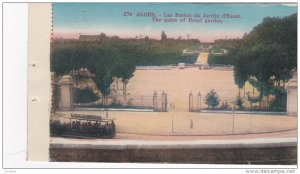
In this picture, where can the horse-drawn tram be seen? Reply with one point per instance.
(82, 126)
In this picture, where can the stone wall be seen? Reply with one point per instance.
(292, 97)
(226, 155)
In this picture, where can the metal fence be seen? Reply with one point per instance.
(199, 66)
(198, 103)
(157, 102)
(168, 67)
(160, 103)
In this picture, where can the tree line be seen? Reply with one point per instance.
(109, 57)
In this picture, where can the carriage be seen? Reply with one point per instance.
(82, 126)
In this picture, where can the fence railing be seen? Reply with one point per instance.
(200, 66)
(198, 103)
(157, 102)
(153, 67)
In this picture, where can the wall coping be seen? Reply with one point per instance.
(196, 144)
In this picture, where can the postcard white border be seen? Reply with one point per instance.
(21, 67)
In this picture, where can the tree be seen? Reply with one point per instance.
(179, 37)
(163, 36)
(270, 49)
(240, 77)
(125, 72)
(111, 57)
(212, 99)
(146, 38)
(268, 53)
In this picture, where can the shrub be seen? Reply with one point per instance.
(212, 99)
(85, 96)
(279, 103)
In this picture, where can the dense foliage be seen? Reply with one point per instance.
(84, 96)
(268, 54)
(221, 60)
(111, 57)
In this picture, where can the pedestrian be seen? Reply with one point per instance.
(191, 124)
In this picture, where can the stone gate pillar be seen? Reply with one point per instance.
(199, 102)
(166, 101)
(65, 87)
(155, 100)
(292, 93)
(163, 100)
(190, 101)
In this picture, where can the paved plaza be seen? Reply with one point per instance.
(201, 124)
(178, 83)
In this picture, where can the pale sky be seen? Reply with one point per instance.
(70, 19)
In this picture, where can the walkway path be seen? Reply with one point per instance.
(282, 134)
(202, 58)
(178, 123)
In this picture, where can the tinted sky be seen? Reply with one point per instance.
(70, 19)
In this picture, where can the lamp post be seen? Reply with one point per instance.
(106, 75)
(232, 119)
(172, 123)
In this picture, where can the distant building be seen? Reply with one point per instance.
(221, 52)
(181, 65)
(187, 52)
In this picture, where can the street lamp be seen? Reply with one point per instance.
(166, 101)
(232, 119)
(106, 75)
(172, 123)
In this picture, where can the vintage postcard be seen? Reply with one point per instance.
(200, 83)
